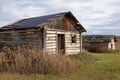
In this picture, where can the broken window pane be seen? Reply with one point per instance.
(73, 38)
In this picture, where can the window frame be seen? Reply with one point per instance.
(73, 38)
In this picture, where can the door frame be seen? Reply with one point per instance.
(58, 46)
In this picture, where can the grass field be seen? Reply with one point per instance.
(93, 66)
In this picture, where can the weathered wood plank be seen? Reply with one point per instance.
(72, 50)
(51, 44)
(61, 32)
(51, 41)
(72, 46)
(50, 35)
(68, 33)
(76, 47)
(51, 47)
(51, 32)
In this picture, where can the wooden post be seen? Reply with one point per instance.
(56, 42)
(44, 39)
(80, 42)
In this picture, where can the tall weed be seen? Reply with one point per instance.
(34, 60)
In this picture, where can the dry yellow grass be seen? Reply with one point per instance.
(95, 67)
(33, 60)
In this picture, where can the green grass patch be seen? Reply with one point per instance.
(91, 66)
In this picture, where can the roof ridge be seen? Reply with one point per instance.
(19, 20)
(49, 15)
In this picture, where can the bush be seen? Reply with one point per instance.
(100, 50)
(33, 60)
(82, 58)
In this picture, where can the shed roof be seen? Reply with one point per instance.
(98, 38)
(36, 21)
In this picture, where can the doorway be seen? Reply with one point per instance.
(61, 43)
(112, 46)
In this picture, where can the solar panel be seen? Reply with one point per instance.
(31, 22)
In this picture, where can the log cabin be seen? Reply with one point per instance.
(99, 43)
(55, 33)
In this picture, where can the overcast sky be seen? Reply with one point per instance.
(97, 16)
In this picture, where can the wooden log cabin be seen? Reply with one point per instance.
(99, 43)
(56, 33)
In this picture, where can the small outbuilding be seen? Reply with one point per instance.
(99, 43)
(56, 33)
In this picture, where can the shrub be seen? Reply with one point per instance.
(84, 51)
(82, 58)
(33, 60)
(100, 50)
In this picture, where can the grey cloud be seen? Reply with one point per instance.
(93, 14)
(103, 32)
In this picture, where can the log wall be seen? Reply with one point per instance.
(51, 38)
(52, 45)
(72, 48)
(32, 37)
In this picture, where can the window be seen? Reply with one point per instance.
(73, 38)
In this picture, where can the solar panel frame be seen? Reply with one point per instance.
(31, 22)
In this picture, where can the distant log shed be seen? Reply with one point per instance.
(56, 33)
(99, 43)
